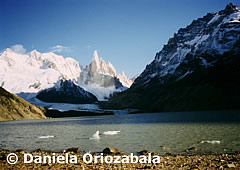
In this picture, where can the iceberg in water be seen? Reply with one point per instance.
(44, 137)
(211, 141)
(95, 135)
(111, 132)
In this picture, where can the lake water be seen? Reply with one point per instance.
(175, 132)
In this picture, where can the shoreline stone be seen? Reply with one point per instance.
(178, 161)
(110, 151)
(75, 150)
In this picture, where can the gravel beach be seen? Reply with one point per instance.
(196, 161)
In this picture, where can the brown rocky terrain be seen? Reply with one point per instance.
(13, 107)
(198, 161)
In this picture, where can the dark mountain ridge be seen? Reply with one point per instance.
(197, 70)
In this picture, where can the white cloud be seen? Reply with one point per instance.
(59, 48)
(18, 48)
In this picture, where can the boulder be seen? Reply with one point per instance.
(191, 149)
(38, 150)
(75, 150)
(143, 152)
(110, 151)
(22, 151)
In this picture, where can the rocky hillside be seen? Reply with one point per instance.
(13, 107)
(197, 70)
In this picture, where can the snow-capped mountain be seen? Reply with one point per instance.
(68, 67)
(101, 78)
(35, 71)
(30, 73)
(98, 71)
(65, 91)
(197, 69)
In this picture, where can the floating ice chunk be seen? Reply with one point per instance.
(111, 132)
(211, 142)
(95, 135)
(44, 137)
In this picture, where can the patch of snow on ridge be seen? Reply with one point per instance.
(214, 19)
(235, 16)
(197, 40)
(203, 38)
(193, 41)
(182, 52)
(184, 75)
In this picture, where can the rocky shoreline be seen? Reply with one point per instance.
(170, 161)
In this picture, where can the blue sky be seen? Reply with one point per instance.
(128, 33)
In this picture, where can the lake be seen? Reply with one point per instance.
(174, 132)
